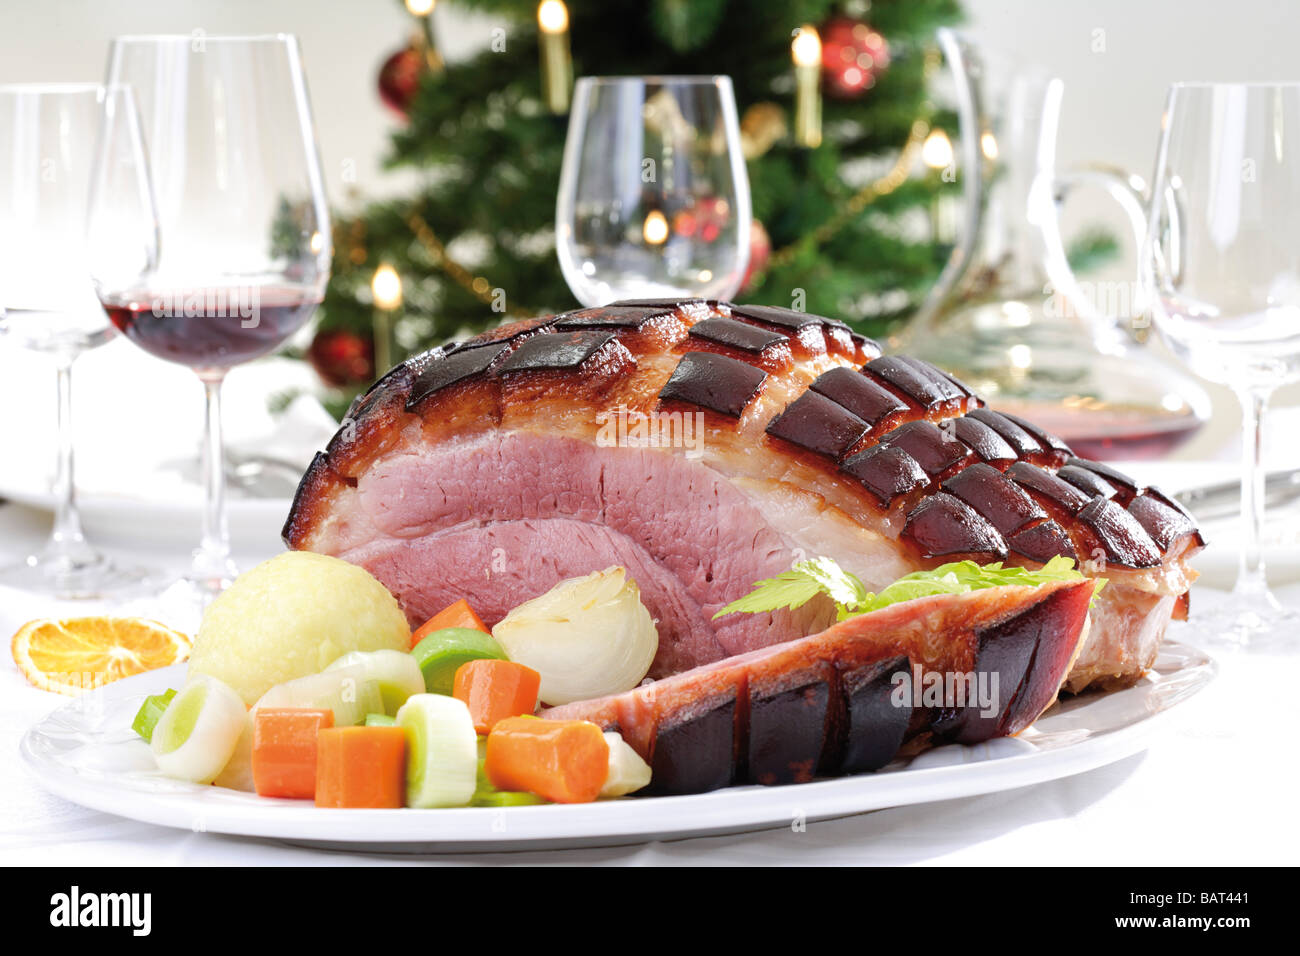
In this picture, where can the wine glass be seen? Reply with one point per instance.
(1220, 270)
(47, 302)
(653, 198)
(208, 226)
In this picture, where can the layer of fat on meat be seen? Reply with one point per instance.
(815, 529)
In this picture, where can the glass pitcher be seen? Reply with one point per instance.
(1013, 322)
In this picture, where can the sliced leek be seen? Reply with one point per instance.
(348, 691)
(198, 732)
(397, 674)
(441, 751)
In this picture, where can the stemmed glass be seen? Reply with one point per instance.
(653, 198)
(1221, 271)
(47, 302)
(208, 226)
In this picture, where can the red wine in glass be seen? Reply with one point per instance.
(212, 328)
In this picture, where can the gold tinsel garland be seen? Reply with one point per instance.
(883, 186)
(478, 286)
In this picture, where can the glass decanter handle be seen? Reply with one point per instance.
(1047, 197)
(961, 59)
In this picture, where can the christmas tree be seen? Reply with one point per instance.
(475, 245)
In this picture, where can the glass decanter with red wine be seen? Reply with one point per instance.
(1016, 325)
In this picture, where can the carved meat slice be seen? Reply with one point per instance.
(705, 446)
(845, 700)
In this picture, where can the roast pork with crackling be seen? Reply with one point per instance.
(705, 446)
(852, 697)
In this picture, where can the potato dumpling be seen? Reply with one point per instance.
(292, 616)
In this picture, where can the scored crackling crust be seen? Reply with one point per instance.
(965, 480)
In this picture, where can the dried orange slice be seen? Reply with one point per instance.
(78, 653)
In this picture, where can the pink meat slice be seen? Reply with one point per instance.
(789, 712)
(500, 521)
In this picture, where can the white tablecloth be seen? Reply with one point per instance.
(1217, 787)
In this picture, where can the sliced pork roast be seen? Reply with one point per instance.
(848, 699)
(705, 446)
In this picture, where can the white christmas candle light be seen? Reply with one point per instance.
(557, 60)
(386, 287)
(806, 51)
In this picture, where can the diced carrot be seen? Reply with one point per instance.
(564, 761)
(495, 689)
(459, 614)
(284, 750)
(361, 767)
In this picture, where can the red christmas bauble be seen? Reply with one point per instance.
(342, 358)
(399, 78)
(853, 57)
(705, 220)
(760, 251)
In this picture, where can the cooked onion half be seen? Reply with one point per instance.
(587, 637)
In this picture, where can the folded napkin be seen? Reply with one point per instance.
(296, 434)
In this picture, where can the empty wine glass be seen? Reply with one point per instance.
(47, 302)
(653, 198)
(209, 232)
(1219, 267)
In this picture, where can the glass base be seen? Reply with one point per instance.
(181, 603)
(1126, 403)
(1249, 620)
(89, 578)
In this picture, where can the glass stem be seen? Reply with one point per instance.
(67, 545)
(211, 564)
(1251, 576)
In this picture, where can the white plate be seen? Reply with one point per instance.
(87, 753)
